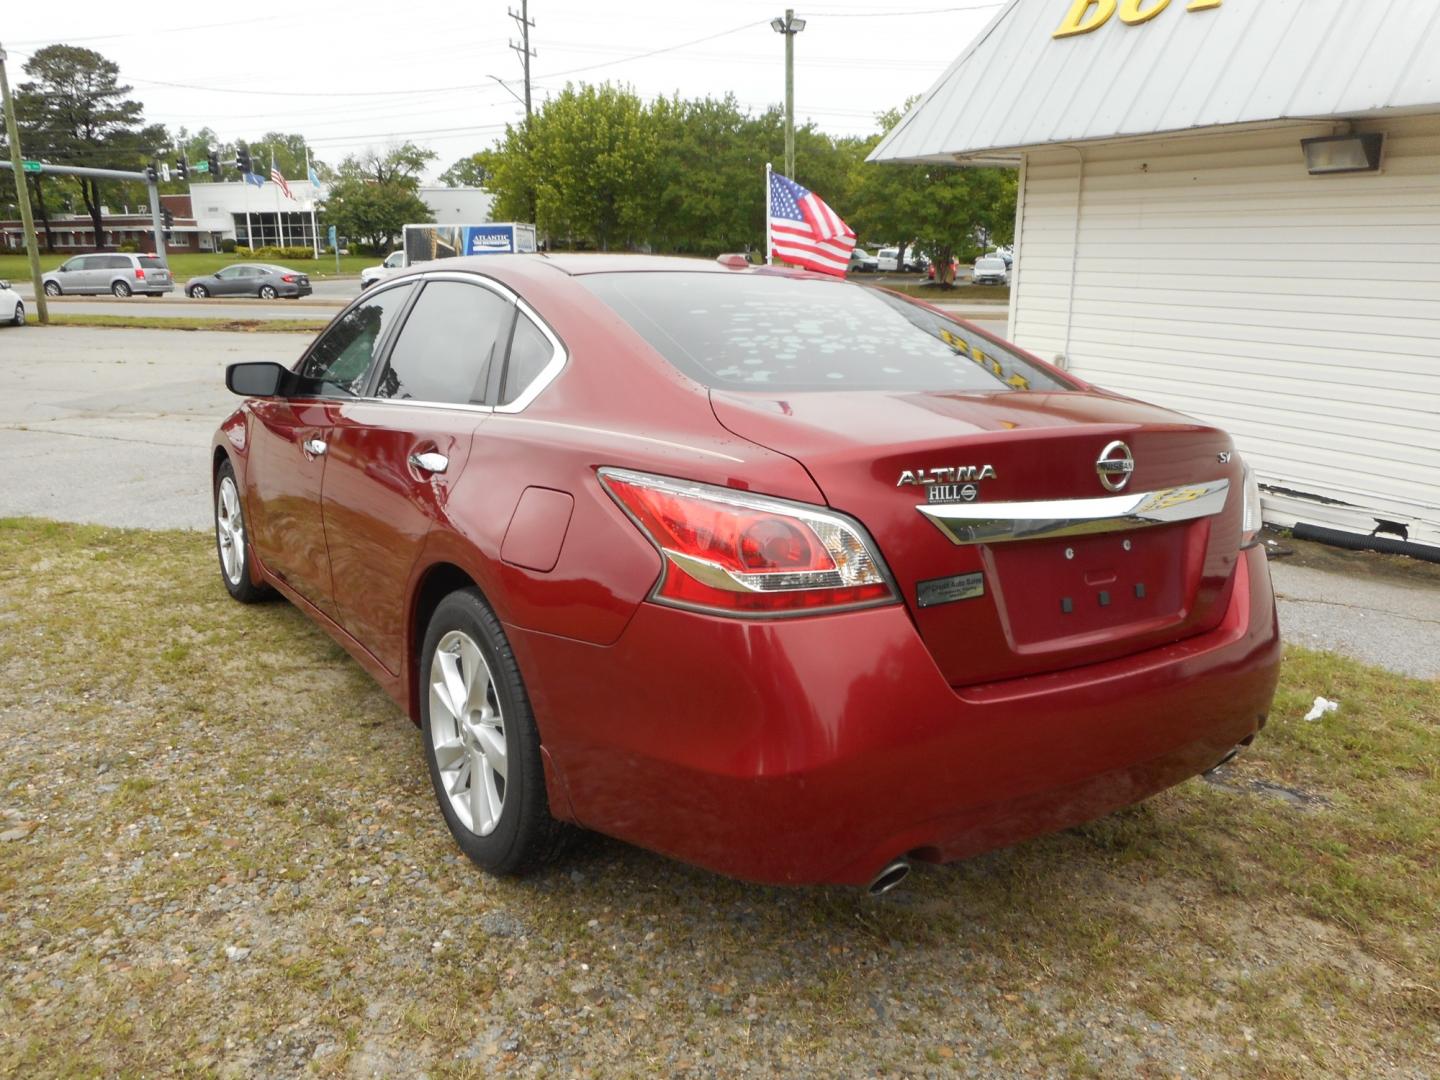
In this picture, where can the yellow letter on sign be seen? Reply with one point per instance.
(1132, 15)
(1081, 20)
(1202, 5)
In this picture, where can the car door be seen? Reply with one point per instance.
(289, 443)
(109, 268)
(394, 456)
(94, 276)
(227, 281)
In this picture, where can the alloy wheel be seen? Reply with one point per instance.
(52, 289)
(230, 530)
(467, 732)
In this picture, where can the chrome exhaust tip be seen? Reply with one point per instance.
(1230, 755)
(887, 879)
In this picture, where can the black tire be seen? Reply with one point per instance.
(525, 836)
(120, 289)
(19, 318)
(267, 292)
(198, 292)
(242, 586)
(52, 288)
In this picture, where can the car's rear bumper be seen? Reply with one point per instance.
(818, 749)
(293, 291)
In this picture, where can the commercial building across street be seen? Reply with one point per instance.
(1182, 236)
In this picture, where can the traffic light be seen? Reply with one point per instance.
(182, 169)
(212, 162)
(152, 172)
(242, 159)
(167, 216)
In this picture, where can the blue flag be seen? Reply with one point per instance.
(314, 177)
(255, 178)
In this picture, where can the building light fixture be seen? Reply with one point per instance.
(1343, 153)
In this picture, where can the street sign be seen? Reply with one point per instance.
(333, 238)
(201, 166)
(30, 166)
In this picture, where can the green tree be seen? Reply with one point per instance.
(76, 113)
(588, 159)
(943, 210)
(401, 164)
(289, 153)
(469, 171)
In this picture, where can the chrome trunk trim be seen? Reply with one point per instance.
(995, 523)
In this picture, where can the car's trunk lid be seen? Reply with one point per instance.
(998, 610)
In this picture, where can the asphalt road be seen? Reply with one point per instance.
(336, 291)
(113, 427)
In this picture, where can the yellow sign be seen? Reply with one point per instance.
(1087, 15)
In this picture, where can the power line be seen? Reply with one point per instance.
(151, 31)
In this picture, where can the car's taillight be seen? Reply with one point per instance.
(1250, 517)
(139, 274)
(734, 552)
(287, 277)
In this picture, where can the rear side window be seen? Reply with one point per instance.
(446, 347)
(530, 352)
(757, 332)
(116, 262)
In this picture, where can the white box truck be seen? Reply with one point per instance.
(426, 243)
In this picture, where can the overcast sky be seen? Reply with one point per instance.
(369, 72)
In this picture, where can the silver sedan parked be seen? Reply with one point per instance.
(250, 279)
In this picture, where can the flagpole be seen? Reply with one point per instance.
(314, 196)
(279, 228)
(769, 250)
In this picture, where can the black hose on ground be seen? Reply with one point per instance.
(1359, 542)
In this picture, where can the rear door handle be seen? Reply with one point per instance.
(315, 447)
(430, 462)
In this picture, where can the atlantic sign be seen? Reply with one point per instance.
(1087, 15)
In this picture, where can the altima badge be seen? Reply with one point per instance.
(948, 485)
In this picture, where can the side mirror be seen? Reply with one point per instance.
(259, 378)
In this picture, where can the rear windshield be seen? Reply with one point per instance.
(756, 332)
(150, 262)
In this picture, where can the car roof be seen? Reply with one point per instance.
(544, 271)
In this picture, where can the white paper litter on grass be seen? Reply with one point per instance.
(1321, 707)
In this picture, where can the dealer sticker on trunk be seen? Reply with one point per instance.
(946, 590)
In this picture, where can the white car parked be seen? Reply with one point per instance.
(991, 270)
(12, 308)
(394, 262)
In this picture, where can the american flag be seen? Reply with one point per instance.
(806, 232)
(277, 178)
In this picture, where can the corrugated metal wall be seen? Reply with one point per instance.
(1301, 313)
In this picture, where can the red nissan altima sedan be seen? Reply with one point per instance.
(782, 575)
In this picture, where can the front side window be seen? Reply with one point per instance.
(396, 258)
(339, 363)
(450, 338)
(769, 333)
(78, 263)
(229, 272)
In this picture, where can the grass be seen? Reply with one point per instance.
(957, 294)
(187, 265)
(181, 322)
(198, 777)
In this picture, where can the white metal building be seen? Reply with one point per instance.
(1173, 243)
(232, 209)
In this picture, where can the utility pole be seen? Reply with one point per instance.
(789, 26)
(22, 193)
(523, 20)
